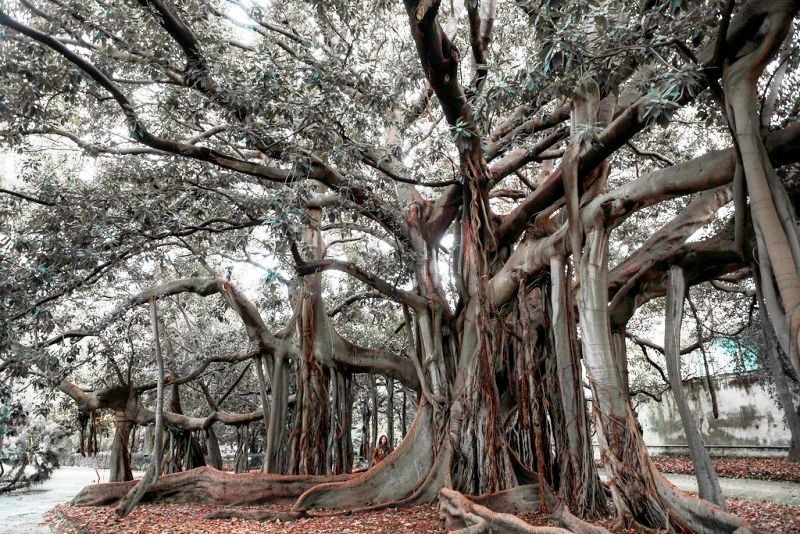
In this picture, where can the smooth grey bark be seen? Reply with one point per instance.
(707, 482)
(790, 411)
(276, 428)
(154, 469)
(374, 398)
(265, 407)
(580, 481)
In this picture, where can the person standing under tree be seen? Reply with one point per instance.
(380, 452)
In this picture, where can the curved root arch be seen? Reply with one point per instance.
(399, 476)
(463, 515)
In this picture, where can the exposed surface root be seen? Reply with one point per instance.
(464, 516)
(511, 501)
(698, 514)
(208, 485)
(575, 524)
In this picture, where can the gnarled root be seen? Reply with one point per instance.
(464, 516)
(575, 524)
(407, 472)
(208, 485)
(510, 501)
(699, 515)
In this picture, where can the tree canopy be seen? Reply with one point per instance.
(481, 202)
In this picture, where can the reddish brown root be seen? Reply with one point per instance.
(464, 516)
(209, 485)
(575, 524)
(511, 501)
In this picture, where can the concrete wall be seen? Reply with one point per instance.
(750, 421)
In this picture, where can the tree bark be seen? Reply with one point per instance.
(136, 492)
(641, 495)
(581, 488)
(120, 464)
(208, 485)
(776, 229)
(707, 481)
(212, 444)
(390, 411)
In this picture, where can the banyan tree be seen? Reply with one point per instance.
(501, 184)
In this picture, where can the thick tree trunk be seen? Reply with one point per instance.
(275, 448)
(212, 444)
(707, 481)
(640, 493)
(580, 482)
(120, 464)
(410, 473)
(774, 223)
(313, 398)
(791, 413)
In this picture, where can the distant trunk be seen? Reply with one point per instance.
(791, 413)
(120, 464)
(390, 411)
(212, 444)
(373, 392)
(341, 442)
(403, 414)
(241, 459)
(366, 442)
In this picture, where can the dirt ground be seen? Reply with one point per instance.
(152, 518)
(733, 467)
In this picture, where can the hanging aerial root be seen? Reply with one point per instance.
(464, 516)
(209, 485)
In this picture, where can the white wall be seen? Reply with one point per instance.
(750, 419)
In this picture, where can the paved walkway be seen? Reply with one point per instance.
(22, 512)
(746, 488)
